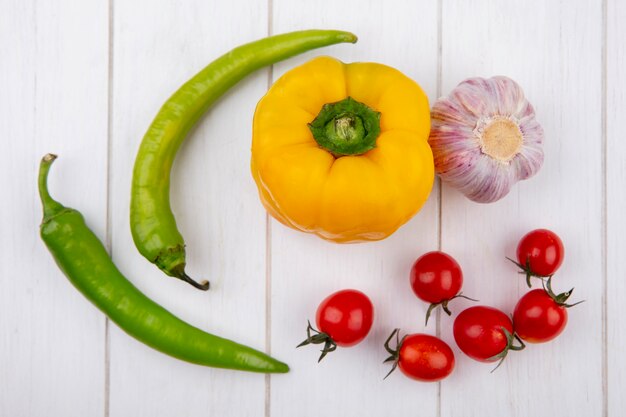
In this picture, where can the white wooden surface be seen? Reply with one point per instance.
(84, 79)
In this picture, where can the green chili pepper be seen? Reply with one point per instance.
(151, 219)
(86, 263)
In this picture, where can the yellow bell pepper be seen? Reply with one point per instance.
(341, 150)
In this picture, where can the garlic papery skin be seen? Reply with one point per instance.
(485, 138)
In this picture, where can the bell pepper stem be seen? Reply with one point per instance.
(346, 127)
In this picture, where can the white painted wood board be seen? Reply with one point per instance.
(305, 269)
(85, 80)
(541, 45)
(53, 98)
(212, 196)
(615, 206)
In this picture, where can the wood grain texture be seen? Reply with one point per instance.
(53, 84)
(615, 206)
(553, 51)
(305, 269)
(158, 46)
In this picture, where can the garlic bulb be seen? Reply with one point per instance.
(485, 138)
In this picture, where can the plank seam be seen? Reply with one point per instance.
(439, 184)
(268, 248)
(35, 55)
(268, 308)
(604, 211)
(109, 230)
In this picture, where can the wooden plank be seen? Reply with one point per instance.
(553, 50)
(158, 46)
(305, 269)
(615, 204)
(53, 79)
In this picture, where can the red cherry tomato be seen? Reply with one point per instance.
(538, 318)
(421, 357)
(478, 331)
(343, 318)
(436, 277)
(540, 252)
(346, 316)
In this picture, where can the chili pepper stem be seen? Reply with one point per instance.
(202, 285)
(179, 272)
(51, 207)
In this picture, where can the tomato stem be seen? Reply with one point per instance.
(510, 339)
(526, 270)
(395, 353)
(560, 299)
(318, 338)
(444, 305)
(431, 307)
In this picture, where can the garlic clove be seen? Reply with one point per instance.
(509, 95)
(468, 98)
(526, 164)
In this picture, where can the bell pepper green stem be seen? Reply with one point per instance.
(346, 127)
